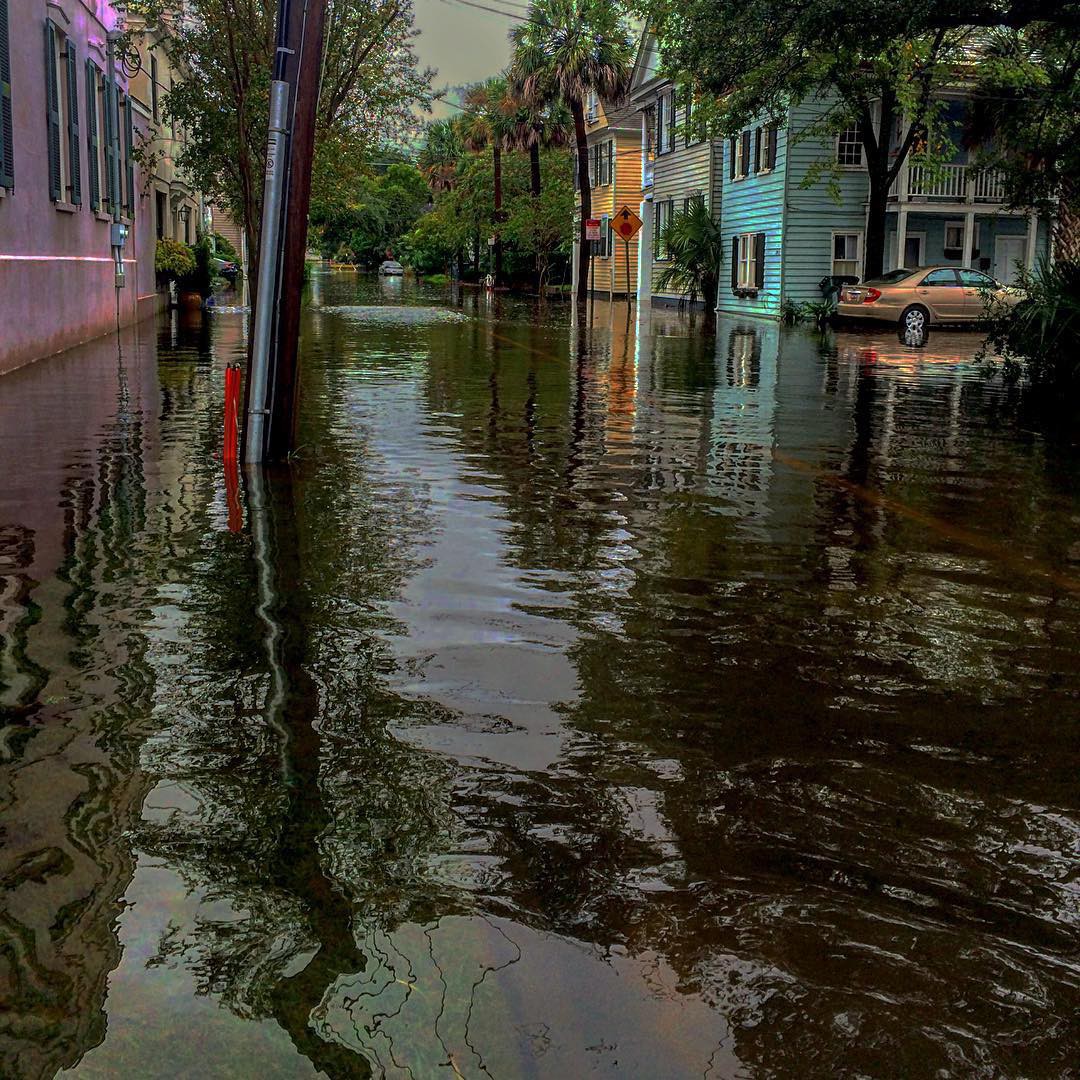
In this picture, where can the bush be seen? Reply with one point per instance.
(201, 277)
(225, 250)
(1040, 336)
(173, 260)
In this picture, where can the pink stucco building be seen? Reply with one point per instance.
(57, 284)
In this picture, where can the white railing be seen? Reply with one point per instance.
(950, 183)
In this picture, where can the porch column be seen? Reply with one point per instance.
(969, 238)
(901, 236)
(1032, 241)
(645, 254)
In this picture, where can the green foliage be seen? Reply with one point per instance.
(173, 260)
(819, 312)
(369, 88)
(200, 278)
(791, 314)
(1040, 337)
(568, 48)
(695, 251)
(377, 213)
(225, 249)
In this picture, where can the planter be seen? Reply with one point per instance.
(190, 301)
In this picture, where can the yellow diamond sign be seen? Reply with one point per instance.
(626, 224)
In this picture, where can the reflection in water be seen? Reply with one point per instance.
(583, 700)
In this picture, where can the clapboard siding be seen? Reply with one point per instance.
(754, 204)
(813, 213)
(681, 172)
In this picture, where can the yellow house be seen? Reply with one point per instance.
(614, 139)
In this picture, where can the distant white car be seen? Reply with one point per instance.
(391, 268)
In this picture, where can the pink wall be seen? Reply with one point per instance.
(56, 272)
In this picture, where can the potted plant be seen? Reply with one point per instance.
(173, 262)
(197, 284)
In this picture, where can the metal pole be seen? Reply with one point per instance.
(628, 294)
(266, 290)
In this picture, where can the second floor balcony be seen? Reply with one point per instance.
(948, 184)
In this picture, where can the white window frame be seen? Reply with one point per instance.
(768, 136)
(958, 247)
(747, 272)
(858, 260)
(592, 108)
(736, 157)
(850, 137)
(665, 142)
(664, 210)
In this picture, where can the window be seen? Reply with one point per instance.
(954, 240)
(974, 279)
(128, 129)
(663, 214)
(941, 278)
(765, 149)
(697, 199)
(154, 104)
(739, 150)
(665, 122)
(849, 148)
(7, 165)
(847, 254)
(649, 133)
(748, 261)
(107, 151)
(95, 157)
(161, 213)
(592, 107)
(62, 110)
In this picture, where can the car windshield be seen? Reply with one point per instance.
(891, 278)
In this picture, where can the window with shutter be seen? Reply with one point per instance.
(7, 135)
(757, 150)
(154, 105)
(745, 153)
(759, 261)
(112, 161)
(773, 131)
(735, 243)
(74, 157)
(93, 169)
(732, 143)
(52, 111)
(129, 156)
(661, 126)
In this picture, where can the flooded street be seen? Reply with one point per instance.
(581, 702)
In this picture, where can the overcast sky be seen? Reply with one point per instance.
(462, 42)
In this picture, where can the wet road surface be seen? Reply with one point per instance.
(607, 702)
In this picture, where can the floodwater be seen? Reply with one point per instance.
(606, 702)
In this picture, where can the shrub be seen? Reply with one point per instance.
(173, 260)
(225, 250)
(200, 278)
(1040, 336)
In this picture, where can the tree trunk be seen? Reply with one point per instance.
(880, 173)
(496, 154)
(1066, 242)
(877, 209)
(534, 170)
(578, 112)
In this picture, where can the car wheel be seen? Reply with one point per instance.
(915, 318)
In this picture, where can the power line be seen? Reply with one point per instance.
(491, 10)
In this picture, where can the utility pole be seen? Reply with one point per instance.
(303, 71)
(294, 96)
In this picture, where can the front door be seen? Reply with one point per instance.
(913, 249)
(1008, 252)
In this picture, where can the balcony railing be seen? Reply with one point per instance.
(950, 183)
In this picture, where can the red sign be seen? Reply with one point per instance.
(592, 228)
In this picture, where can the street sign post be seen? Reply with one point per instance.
(627, 224)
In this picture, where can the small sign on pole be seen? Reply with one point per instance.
(592, 228)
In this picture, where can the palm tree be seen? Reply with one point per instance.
(535, 127)
(486, 124)
(440, 154)
(566, 50)
(694, 249)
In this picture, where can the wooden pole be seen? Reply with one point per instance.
(303, 69)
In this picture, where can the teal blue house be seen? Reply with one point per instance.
(785, 236)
